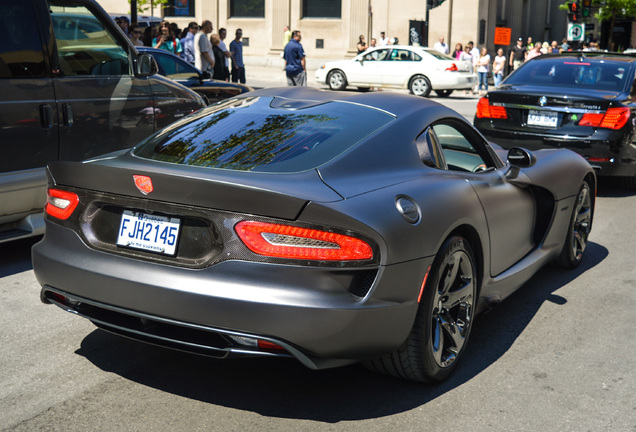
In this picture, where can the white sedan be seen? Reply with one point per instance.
(404, 67)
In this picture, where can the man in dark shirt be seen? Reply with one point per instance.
(294, 56)
(517, 54)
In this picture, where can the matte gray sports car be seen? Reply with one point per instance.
(330, 227)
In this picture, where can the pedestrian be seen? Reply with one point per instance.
(545, 48)
(395, 41)
(220, 71)
(483, 67)
(554, 47)
(565, 46)
(441, 46)
(459, 49)
(166, 39)
(474, 52)
(373, 43)
(362, 45)
(226, 52)
(498, 67)
(383, 41)
(124, 24)
(529, 44)
(203, 56)
(517, 56)
(135, 35)
(188, 42)
(466, 56)
(535, 52)
(287, 35)
(236, 50)
(295, 66)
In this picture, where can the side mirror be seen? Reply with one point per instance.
(521, 158)
(146, 65)
(361, 60)
(206, 75)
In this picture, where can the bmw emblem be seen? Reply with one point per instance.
(543, 100)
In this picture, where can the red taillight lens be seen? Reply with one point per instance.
(284, 241)
(486, 110)
(269, 345)
(613, 118)
(61, 204)
(452, 68)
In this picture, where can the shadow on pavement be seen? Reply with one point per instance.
(15, 256)
(284, 388)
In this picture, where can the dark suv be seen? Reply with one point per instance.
(72, 87)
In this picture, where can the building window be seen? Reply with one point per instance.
(247, 8)
(179, 8)
(322, 8)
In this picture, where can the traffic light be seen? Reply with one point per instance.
(574, 14)
(586, 8)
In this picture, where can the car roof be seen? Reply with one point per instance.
(589, 55)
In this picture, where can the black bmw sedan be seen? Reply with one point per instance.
(582, 101)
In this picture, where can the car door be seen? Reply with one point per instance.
(367, 68)
(509, 207)
(399, 66)
(27, 105)
(102, 106)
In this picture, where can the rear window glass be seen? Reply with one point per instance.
(570, 72)
(251, 134)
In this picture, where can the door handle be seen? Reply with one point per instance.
(46, 117)
(67, 115)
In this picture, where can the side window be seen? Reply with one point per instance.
(459, 152)
(376, 55)
(401, 55)
(171, 66)
(21, 48)
(84, 45)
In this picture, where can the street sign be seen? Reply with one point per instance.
(502, 35)
(576, 32)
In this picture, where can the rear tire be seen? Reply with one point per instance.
(337, 80)
(578, 229)
(443, 322)
(420, 86)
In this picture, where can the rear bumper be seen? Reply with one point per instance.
(310, 311)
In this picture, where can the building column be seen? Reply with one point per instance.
(281, 16)
(358, 23)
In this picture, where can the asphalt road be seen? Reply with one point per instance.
(558, 355)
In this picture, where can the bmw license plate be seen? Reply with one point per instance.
(543, 118)
(148, 232)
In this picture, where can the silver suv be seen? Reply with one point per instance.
(72, 87)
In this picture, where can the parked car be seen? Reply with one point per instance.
(73, 87)
(404, 67)
(327, 226)
(179, 70)
(583, 101)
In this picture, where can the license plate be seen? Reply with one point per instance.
(148, 232)
(543, 118)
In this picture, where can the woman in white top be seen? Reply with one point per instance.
(498, 67)
(482, 69)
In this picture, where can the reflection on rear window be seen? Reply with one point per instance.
(251, 135)
(570, 72)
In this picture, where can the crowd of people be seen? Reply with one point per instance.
(503, 64)
(196, 44)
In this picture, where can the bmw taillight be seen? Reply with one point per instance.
(452, 68)
(61, 204)
(286, 241)
(486, 110)
(613, 118)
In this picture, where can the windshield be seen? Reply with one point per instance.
(570, 72)
(252, 134)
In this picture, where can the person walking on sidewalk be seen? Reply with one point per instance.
(236, 49)
(294, 56)
(203, 55)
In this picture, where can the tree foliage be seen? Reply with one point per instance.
(145, 5)
(608, 10)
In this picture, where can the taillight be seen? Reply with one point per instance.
(452, 68)
(486, 110)
(60, 204)
(285, 241)
(613, 118)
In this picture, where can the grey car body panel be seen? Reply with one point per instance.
(308, 307)
(57, 117)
